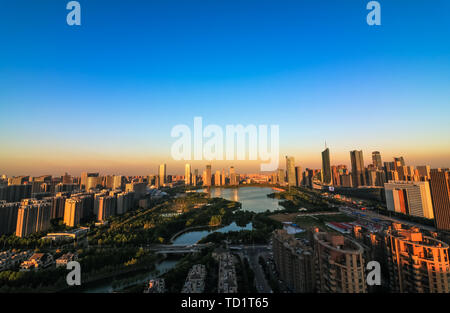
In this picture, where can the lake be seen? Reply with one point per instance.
(192, 237)
(252, 198)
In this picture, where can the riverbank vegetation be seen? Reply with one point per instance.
(297, 198)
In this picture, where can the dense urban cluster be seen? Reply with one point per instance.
(333, 222)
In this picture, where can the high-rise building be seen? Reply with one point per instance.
(15, 193)
(8, 217)
(207, 179)
(93, 182)
(417, 263)
(346, 180)
(108, 181)
(294, 261)
(67, 179)
(339, 264)
(84, 179)
(162, 174)
(399, 161)
(217, 179)
(290, 171)
(424, 172)
(73, 211)
(106, 207)
(357, 161)
(58, 205)
(376, 160)
(440, 194)
(223, 177)
(125, 202)
(195, 177)
(187, 174)
(298, 176)
(33, 216)
(118, 182)
(412, 198)
(233, 178)
(281, 177)
(326, 167)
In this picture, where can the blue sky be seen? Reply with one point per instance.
(106, 94)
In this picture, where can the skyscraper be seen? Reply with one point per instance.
(326, 167)
(232, 176)
(194, 178)
(376, 160)
(223, 177)
(187, 174)
(217, 180)
(398, 162)
(440, 193)
(162, 174)
(207, 181)
(357, 161)
(298, 176)
(290, 171)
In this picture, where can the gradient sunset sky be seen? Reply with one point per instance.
(105, 95)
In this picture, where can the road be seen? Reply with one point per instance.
(252, 253)
(371, 214)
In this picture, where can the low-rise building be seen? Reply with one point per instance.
(10, 259)
(37, 261)
(66, 258)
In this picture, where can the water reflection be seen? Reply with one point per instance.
(252, 198)
(193, 237)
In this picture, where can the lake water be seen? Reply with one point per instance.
(252, 198)
(193, 237)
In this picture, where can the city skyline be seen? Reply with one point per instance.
(105, 95)
(179, 167)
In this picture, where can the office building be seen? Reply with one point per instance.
(412, 198)
(187, 174)
(298, 176)
(440, 194)
(207, 176)
(357, 161)
(376, 160)
(223, 177)
(162, 174)
(233, 178)
(326, 167)
(217, 178)
(290, 171)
